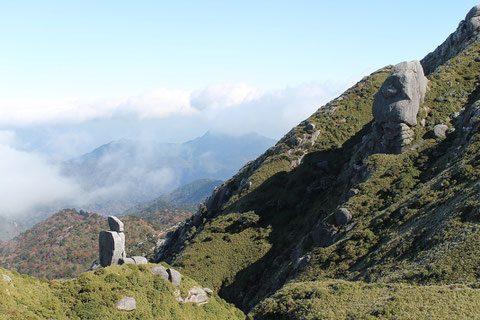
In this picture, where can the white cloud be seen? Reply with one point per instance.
(28, 180)
(223, 96)
(208, 103)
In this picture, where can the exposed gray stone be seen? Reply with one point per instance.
(126, 304)
(6, 278)
(342, 216)
(401, 95)
(323, 235)
(196, 295)
(440, 130)
(396, 105)
(140, 260)
(126, 261)
(115, 224)
(467, 33)
(174, 276)
(111, 248)
(161, 271)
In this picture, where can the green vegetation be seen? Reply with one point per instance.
(93, 295)
(354, 300)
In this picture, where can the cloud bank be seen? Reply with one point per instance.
(205, 104)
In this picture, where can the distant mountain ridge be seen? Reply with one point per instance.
(124, 173)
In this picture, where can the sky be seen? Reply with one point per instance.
(78, 74)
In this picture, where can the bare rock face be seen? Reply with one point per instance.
(111, 248)
(115, 224)
(161, 271)
(467, 33)
(174, 276)
(396, 105)
(196, 295)
(439, 131)
(126, 304)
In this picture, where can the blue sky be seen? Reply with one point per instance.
(79, 49)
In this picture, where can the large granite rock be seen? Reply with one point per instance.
(161, 271)
(111, 248)
(126, 304)
(115, 224)
(465, 35)
(401, 95)
(396, 105)
(174, 276)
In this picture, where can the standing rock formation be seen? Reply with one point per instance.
(396, 105)
(111, 245)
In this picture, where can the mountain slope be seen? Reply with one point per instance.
(414, 214)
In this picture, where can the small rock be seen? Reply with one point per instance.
(126, 261)
(126, 304)
(7, 278)
(342, 216)
(160, 270)
(310, 126)
(196, 295)
(439, 131)
(174, 276)
(115, 224)
(140, 260)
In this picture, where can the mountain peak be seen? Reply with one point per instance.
(466, 34)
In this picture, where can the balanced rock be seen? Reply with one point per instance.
(174, 276)
(161, 271)
(439, 131)
(342, 216)
(115, 224)
(126, 304)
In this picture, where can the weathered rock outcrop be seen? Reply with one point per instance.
(111, 245)
(467, 32)
(396, 105)
(439, 131)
